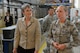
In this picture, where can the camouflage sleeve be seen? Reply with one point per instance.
(75, 35)
(68, 45)
(44, 25)
(50, 36)
(75, 39)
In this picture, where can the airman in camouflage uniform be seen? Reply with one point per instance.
(60, 33)
(46, 25)
(48, 19)
(76, 19)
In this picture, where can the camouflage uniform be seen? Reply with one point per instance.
(76, 22)
(62, 35)
(47, 21)
(46, 25)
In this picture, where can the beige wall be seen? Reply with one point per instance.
(2, 24)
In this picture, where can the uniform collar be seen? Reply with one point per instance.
(66, 21)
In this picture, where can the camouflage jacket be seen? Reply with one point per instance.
(47, 21)
(63, 35)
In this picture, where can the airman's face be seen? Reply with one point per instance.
(27, 12)
(61, 13)
(7, 14)
(51, 11)
(76, 13)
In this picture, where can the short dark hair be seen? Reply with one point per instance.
(50, 7)
(77, 11)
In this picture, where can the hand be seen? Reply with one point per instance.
(61, 46)
(7, 20)
(55, 44)
(14, 50)
(35, 51)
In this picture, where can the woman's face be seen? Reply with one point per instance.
(27, 12)
(61, 13)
